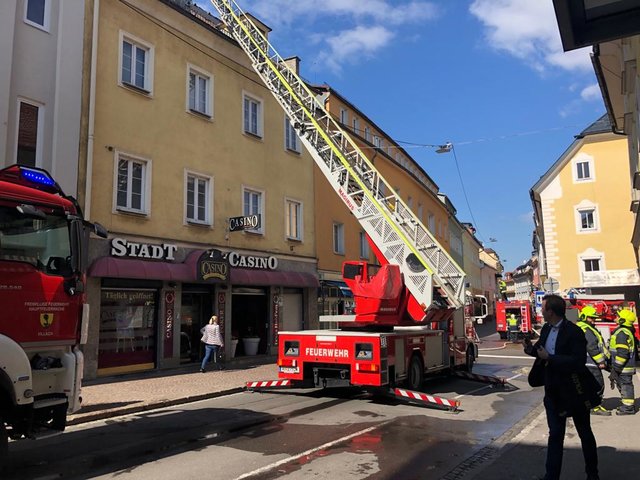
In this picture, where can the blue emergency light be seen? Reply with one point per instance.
(40, 177)
(32, 177)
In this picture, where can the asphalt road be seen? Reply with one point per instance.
(320, 434)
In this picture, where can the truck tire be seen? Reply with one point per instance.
(415, 375)
(503, 335)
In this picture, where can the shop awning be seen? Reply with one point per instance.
(344, 289)
(142, 269)
(186, 272)
(246, 276)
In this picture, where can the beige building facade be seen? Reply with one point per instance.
(203, 186)
(582, 225)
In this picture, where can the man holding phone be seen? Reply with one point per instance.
(562, 348)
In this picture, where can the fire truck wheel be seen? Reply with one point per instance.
(503, 335)
(415, 377)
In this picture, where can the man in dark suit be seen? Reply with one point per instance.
(562, 349)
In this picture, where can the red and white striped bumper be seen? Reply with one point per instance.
(269, 384)
(423, 397)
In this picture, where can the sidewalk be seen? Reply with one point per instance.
(108, 397)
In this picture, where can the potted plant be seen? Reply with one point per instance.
(250, 342)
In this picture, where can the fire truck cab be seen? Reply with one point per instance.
(522, 311)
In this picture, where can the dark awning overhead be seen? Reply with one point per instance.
(186, 272)
(246, 276)
(344, 289)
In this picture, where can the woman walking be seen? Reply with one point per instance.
(212, 340)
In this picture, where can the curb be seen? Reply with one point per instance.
(92, 417)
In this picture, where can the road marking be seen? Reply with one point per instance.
(273, 465)
(506, 356)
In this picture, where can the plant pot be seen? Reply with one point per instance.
(251, 345)
(234, 346)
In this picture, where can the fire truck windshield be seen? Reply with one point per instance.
(41, 242)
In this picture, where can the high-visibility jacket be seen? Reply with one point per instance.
(512, 321)
(597, 352)
(623, 350)
(502, 286)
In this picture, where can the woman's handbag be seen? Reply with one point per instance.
(536, 374)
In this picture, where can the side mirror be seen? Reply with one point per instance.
(100, 231)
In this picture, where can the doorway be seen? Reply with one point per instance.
(195, 313)
(250, 317)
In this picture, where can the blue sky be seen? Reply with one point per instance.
(487, 75)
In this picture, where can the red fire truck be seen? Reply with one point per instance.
(521, 309)
(607, 307)
(412, 316)
(43, 243)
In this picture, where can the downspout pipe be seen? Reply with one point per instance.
(92, 109)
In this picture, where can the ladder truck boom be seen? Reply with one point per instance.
(397, 233)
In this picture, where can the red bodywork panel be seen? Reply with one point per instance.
(522, 310)
(35, 306)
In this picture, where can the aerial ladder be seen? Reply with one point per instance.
(433, 278)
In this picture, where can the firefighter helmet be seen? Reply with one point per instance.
(626, 317)
(588, 311)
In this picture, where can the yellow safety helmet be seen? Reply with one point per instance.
(626, 317)
(588, 311)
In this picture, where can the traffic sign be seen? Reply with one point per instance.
(551, 284)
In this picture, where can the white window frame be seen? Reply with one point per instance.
(338, 238)
(581, 208)
(261, 210)
(289, 202)
(291, 139)
(579, 159)
(367, 134)
(145, 201)
(365, 249)
(208, 220)
(421, 212)
(344, 116)
(246, 96)
(200, 73)
(356, 125)
(148, 67)
(40, 127)
(46, 25)
(591, 254)
(431, 223)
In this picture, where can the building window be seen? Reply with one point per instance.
(431, 223)
(344, 116)
(29, 134)
(377, 141)
(252, 116)
(132, 185)
(356, 126)
(198, 199)
(367, 134)
(199, 92)
(410, 202)
(338, 238)
(582, 170)
(252, 205)
(291, 141)
(591, 264)
(37, 13)
(420, 212)
(587, 219)
(364, 246)
(293, 215)
(136, 63)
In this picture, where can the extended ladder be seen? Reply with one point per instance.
(391, 225)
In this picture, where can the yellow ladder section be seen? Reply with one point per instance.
(392, 226)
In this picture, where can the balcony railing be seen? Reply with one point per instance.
(610, 278)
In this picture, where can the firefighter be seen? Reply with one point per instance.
(623, 360)
(502, 287)
(597, 353)
(513, 325)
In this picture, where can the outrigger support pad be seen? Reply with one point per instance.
(268, 384)
(481, 378)
(425, 399)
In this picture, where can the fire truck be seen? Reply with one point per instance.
(412, 316)
(607, 307)
(521, 309)
(43, 246)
